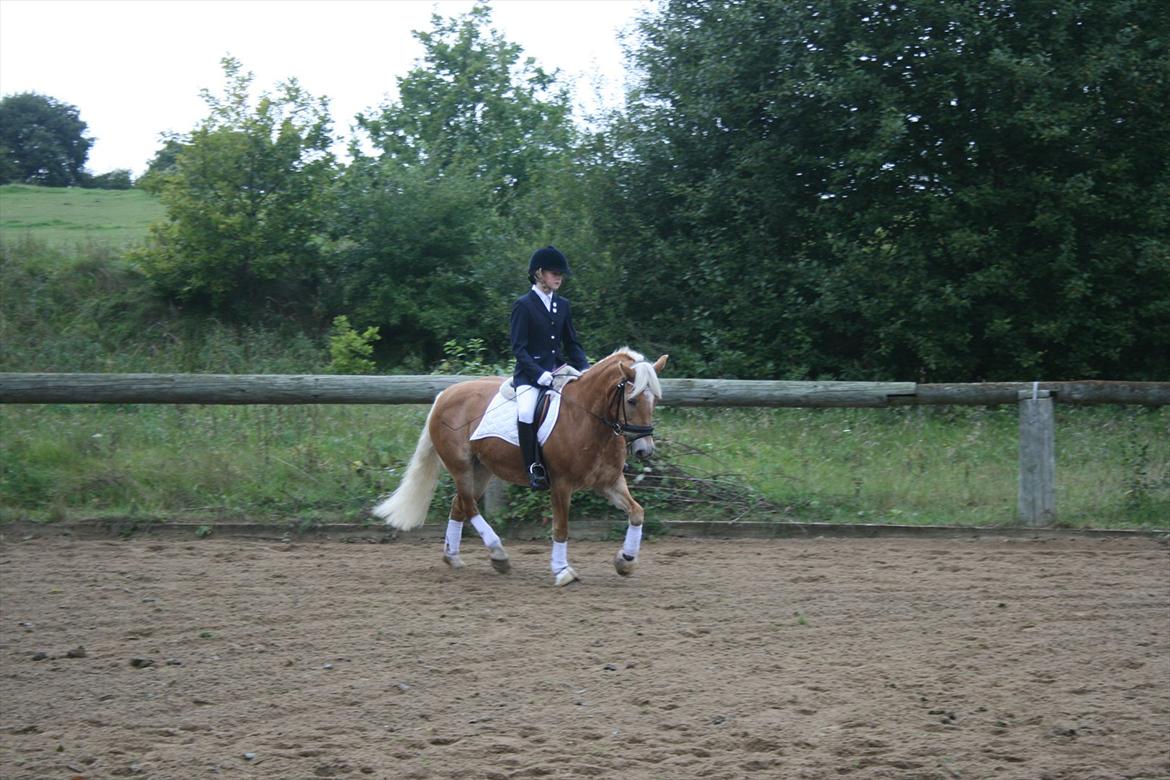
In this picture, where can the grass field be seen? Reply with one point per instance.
(70, 217)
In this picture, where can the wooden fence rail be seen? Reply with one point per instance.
(421, 389)
(1037, 456)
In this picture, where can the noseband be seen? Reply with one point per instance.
(618, 420)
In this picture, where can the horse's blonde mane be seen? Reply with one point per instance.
(645, 377)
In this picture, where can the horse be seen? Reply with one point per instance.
(605, 412)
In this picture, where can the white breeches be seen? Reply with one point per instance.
(526, 396)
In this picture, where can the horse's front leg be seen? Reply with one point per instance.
(563, 573)
(626, 559)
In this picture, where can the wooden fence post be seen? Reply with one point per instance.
(1037, 458)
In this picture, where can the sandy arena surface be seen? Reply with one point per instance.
(788, 658)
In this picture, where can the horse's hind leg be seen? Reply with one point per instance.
(499, 556)
(463, 507)
(454, 537)
(470, 483)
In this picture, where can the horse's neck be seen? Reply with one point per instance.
(592, 391)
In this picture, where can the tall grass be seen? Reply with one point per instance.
(929, 465)
(205, 463)
(329, 463)
(87, 311)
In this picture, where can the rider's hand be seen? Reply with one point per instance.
(546, 380)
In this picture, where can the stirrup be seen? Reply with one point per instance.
(537, 477)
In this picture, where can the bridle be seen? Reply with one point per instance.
(618, 419)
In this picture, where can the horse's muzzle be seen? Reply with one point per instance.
(643, 447)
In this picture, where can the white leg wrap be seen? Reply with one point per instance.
(485, 531)
(560, 557)
(633, 541)
(454, 535)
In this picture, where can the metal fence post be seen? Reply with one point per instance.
(1037, 505)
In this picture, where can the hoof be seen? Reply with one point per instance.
(499, 558)
(624, 566)
(566, 576)
(454, 561)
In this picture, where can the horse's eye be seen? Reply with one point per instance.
(632, 401)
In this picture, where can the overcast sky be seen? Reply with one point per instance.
(134, 68)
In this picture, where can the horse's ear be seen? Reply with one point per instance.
(660, 364)
(627, 371)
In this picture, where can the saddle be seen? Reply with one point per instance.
(499, 419)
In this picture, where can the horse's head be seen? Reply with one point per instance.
(634, 399)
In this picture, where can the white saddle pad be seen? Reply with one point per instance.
(500, 418)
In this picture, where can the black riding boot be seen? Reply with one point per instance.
(537, 478)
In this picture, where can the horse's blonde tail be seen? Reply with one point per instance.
(406, 507)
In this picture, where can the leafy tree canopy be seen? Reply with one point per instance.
(920, 189)
(246, 198)
(411, 257)
(474, 105)
(42, 141)
(164, 162)
(433, 229)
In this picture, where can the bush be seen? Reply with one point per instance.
(117, 179)
(350, 351)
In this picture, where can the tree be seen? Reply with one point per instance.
(472, 104)
(42, 141)
(246, 201)
(164, 163)
(922, 189)
(432, 231)
(413, 255)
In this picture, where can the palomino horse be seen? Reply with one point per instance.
(607, 408)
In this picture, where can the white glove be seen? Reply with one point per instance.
(545, 380)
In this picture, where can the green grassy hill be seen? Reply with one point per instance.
(66, 217)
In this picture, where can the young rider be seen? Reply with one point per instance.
(543, 338)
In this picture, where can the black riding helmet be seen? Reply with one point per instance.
(550, 259)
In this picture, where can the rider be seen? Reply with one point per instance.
(543, 338)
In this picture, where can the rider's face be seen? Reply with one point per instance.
(550, 280)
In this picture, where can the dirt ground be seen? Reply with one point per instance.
(786, 658)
